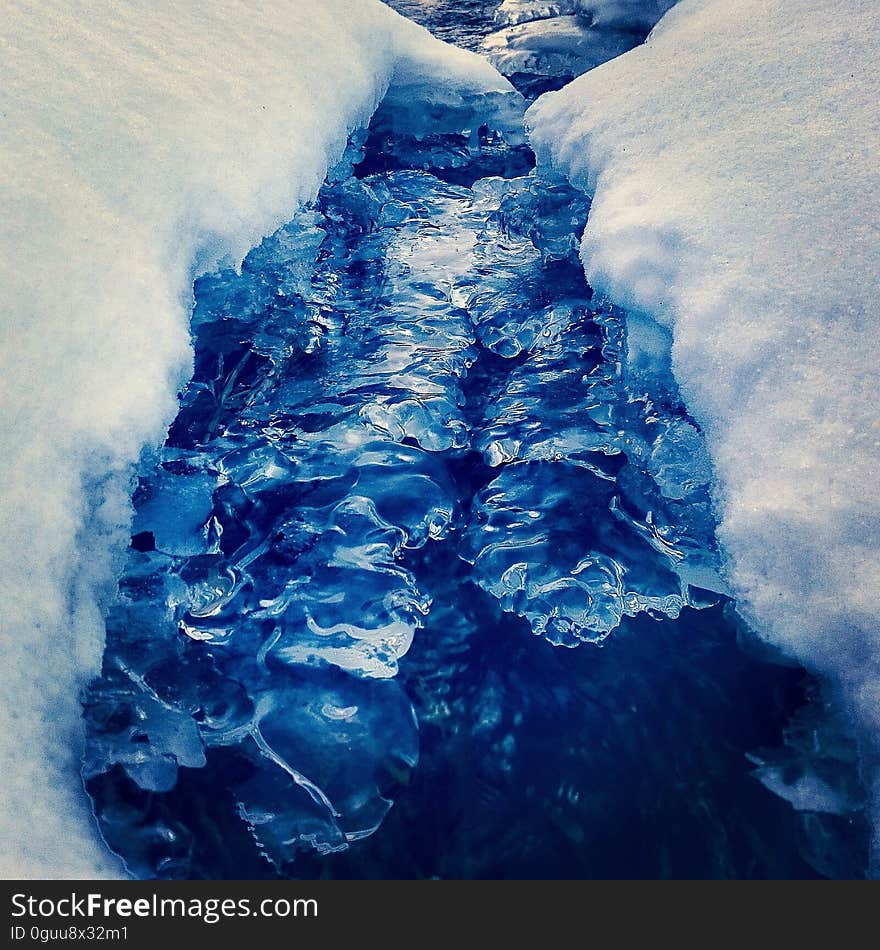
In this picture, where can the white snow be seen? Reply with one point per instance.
(142, 142)
(733, 163)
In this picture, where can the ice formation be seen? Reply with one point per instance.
(732, 160)
(543, 45)
(632, 15)
(411, 363)
(512, 12)
(143, 143)
(558, 46)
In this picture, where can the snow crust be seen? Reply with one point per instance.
(143, 143)
(733, 164)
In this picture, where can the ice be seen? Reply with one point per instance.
(554, 541)
(736, 204)
(561, 47)
(543, 46)
(532, 527)
(635, 15)
(143, 143)
(512, 12)
(308, 449)
(817, 771)
(411, 364)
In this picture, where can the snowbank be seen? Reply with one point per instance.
(733, 162)
(143, 142)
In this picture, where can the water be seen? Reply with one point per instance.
(409, 472)
(462, 22)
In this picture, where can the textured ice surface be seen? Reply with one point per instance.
(462, 22)
(265, 589)
(142, 143)
(736, 204)
(575, 531)
(557, 48)
(512, 12)
(411, 363)
(542, 45)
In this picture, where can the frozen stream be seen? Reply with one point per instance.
(409, 472)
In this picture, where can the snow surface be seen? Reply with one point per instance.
(143, 142)
(733, 163)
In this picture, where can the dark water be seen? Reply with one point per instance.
(462, 22)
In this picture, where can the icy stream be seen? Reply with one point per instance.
(410, 444)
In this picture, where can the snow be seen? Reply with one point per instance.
(143, 143)
(736, 190)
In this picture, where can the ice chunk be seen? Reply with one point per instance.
(545, 542)
(561, 47)
(512, 12)
(817, 771)
(636, 16)
(616, 520)
(542, 46)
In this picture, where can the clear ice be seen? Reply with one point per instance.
(412, 361)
